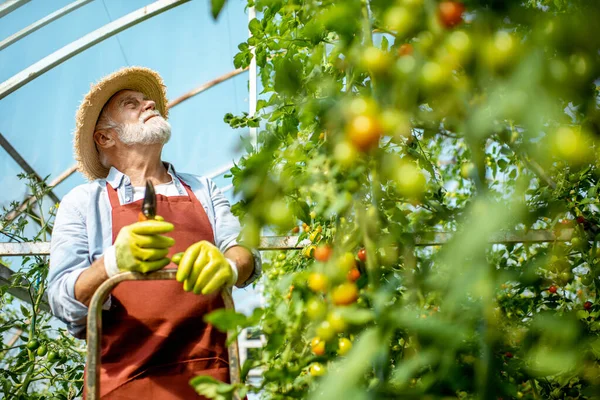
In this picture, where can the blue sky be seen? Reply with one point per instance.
(185, 45)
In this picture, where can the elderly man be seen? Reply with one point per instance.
(154, 338)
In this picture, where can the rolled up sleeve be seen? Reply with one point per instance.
(227, 229)
(69, 257)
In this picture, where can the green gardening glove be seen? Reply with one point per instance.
(204, 269)
(140, 247)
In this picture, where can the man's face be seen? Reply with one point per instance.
(138, 120)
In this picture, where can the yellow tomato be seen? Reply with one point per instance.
(317, 369)
(344, 294)
(344, 346)
(317, 282)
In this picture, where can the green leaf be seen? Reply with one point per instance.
(301, 210)
(385, 44)
(216, 6)
(212, 388)
(225, 320)
(288, 76)
(255, 28)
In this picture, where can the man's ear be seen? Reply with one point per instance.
(103, 139)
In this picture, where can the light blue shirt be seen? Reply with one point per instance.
(83, 230)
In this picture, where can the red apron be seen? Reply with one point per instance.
(153, 338)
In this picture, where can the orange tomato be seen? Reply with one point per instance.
(364, 131)
(318, 346)
(405, 50)
(322, 253)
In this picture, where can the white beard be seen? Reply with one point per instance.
(155, 131)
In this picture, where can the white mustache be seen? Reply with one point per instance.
(147, 114)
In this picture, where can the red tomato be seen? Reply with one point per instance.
(322, 253)
(353, 275)
(552, 289)
(362, 255)
(450, 13)
(587, 305)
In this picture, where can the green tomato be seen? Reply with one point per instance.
(565, 277)
(42, 350)
(315, 309)
(325, 331)
(53, 356)
(587, 279)
(33, 344)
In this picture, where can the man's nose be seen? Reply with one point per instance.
(149, 105)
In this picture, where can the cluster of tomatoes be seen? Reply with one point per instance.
(332, 290)
(40, 349)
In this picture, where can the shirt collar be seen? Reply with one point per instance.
(115, 177)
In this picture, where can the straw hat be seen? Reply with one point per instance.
(140, 79)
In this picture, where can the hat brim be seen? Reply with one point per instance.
(140, 79)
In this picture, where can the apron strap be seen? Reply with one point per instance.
(113, 197)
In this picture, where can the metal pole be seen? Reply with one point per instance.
(42, 22)
(10, 6)
(24, 164)
(84, 43)
(267, 243)
(94, 328)
(252, 82)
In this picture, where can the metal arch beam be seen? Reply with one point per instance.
(24, 164)
(31, 200)
(10, 6)
(84, 43)
(6, 278)
(206, 86)
(42, 22)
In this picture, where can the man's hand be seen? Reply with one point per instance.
(204, 269)
(141, 247)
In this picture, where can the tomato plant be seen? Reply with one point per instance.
(438, 138)
(32, 365)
